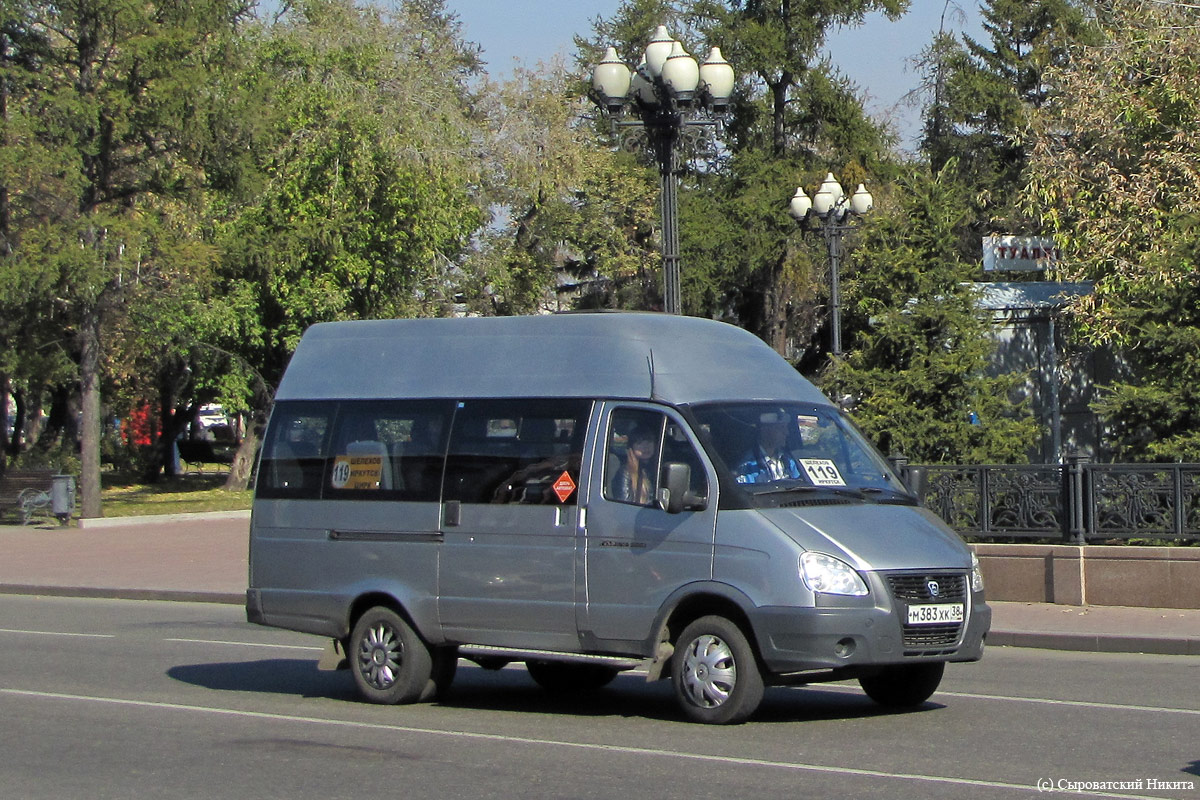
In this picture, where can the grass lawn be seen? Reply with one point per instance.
(123, 496)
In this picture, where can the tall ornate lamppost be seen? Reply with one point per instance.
(833, 213)
(667, 93)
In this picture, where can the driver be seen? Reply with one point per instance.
(769, 460)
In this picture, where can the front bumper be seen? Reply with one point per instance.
(863, 632)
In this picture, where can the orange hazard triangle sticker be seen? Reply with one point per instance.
(563, 487)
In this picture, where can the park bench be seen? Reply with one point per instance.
(195, 453)
(28, 491)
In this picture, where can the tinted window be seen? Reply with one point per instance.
(517, 451)
(385, 450)
(293, 458)
(388, 450)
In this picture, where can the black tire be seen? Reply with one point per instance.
(561, 677)
(389, 661)
(445, 667)
(715, 673)
(904, 686)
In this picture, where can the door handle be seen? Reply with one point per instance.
(452, 514)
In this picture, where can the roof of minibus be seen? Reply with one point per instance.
(627, 355)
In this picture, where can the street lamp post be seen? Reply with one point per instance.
(668, 92)
(833, 213)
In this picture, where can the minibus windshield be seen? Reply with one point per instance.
(773, 449)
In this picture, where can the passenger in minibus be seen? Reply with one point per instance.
(635, 478)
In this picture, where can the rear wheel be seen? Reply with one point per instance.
(562, 677)
(389, 661)
(715, 673)
(904, 686)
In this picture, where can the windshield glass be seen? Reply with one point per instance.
(779, 447)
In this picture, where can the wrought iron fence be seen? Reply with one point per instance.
(1074, 502)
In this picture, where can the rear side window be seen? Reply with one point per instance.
(388, 450)
(525, 452)
(365, 450)
(293, 459)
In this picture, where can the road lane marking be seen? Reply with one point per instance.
(1035, 700)
(583, 746)
(248, 644)
(58, 633)
(1080, 703)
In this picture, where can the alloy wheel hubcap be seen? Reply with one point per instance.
(379, 656)
(709, 671)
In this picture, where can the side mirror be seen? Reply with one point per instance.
(917, 481)
(673, 496)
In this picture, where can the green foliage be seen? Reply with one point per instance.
(574, 219)
(1115, 172)
(794, 120)
(363, 165)
(103, 105)
(983, 96)
(919, 346)
(1153, 412)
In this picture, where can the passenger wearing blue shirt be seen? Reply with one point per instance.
(770, 459)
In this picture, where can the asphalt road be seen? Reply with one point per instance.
(129, 699)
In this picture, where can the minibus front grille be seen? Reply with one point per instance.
(917, 587)
(919, 639)
(940, 587)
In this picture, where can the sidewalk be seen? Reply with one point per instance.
(203, 557)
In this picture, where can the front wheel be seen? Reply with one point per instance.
(715, 673)
(904, 686)
(389, 661)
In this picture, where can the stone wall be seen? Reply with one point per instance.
(1102, 575)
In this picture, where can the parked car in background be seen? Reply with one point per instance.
(211, 415)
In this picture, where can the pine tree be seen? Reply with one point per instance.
(984, 94)
(916, 376)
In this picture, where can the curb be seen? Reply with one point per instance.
(176, 595)
(1096, 643)
(113, 522)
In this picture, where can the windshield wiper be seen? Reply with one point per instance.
(840, 491)
(889, 496)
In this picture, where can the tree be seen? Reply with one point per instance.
(360, 177)
(1115, 173)
(570, 216)
(102, 97)
(916, 371)
(983, 96)
(1152, 412)
(779, 43)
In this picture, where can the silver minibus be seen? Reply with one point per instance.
(590, 494)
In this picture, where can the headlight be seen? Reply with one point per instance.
(976, 574)
(822, 573)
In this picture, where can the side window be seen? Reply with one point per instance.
(631, 461)
(388, 450)
(293, 458)
(526, 452)
(640, 444)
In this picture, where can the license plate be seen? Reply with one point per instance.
(935, 614)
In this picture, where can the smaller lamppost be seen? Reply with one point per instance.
(832, 212)
(668, 93)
